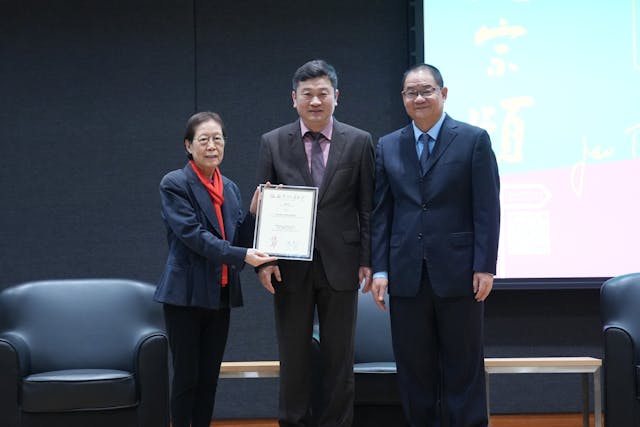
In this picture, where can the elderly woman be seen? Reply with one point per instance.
(208, 235)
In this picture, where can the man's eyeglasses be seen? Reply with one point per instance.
(217, 140)
(424, 92)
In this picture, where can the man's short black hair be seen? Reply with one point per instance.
(313, 69)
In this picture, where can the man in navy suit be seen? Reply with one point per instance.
(435, 228)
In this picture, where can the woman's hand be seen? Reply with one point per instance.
(255, 258)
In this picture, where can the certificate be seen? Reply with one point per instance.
(286, 222)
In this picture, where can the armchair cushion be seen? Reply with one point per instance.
(375, 368)
(78, 389)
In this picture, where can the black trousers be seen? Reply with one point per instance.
(197, 338)
(438, 346)
(294, 314)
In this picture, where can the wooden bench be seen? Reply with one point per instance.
(555, 365)
(521, 365)
(257, 369)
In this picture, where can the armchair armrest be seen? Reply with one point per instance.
(14, 364)
(621, 404)
(151, 359)
(12, 343)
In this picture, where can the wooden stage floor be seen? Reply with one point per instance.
(534, 420)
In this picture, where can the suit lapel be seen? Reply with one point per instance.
(229, 211)
(202, 198)
(407, 148)
(445, 138)
(336, 148)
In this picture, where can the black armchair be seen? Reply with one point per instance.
(620, 308)
(377, 402)
(82, 353)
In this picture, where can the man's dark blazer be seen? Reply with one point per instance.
(342, 236)
(450, 215)
(191, 276)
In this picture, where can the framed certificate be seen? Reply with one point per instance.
(286, 222)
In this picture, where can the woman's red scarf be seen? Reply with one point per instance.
(216, 190)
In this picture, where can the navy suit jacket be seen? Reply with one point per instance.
(192, 273)
(448, 216)
(344, 199)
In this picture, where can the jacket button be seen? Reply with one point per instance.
(419, 236)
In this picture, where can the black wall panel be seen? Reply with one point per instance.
(247, 53)
(94, 94)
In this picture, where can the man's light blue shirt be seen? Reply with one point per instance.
(433, 133)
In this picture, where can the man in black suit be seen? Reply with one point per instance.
(435, 228)
(319, 151)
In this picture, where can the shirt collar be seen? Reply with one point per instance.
(433, 132)
(327, 131)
